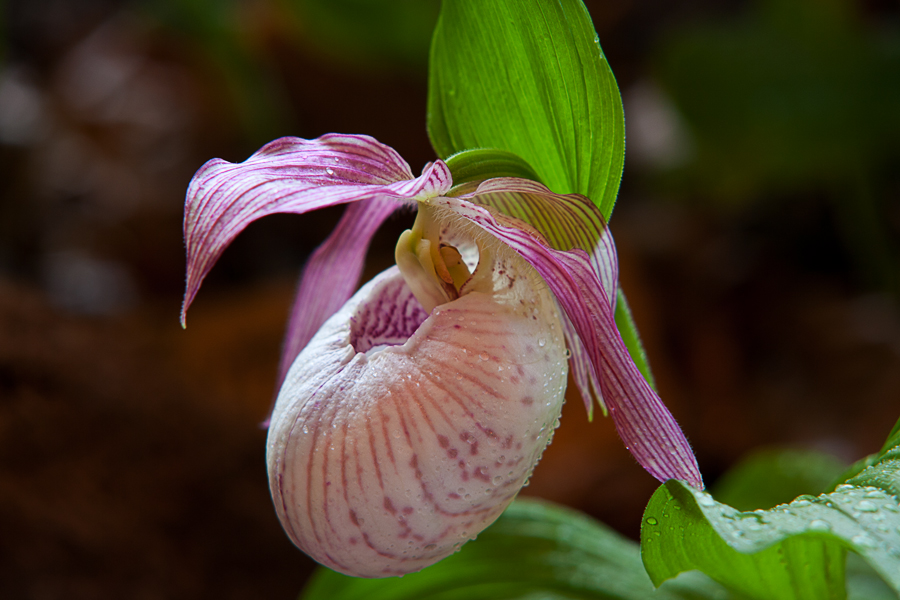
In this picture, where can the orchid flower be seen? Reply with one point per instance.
(412, 413)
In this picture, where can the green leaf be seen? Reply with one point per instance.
(884, 473)
(863, 583)
(471, 166)
(887, 455)
(528, 77)
(535, 550)
(775, 476)
(793, 551)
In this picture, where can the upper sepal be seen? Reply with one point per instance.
(291, 175)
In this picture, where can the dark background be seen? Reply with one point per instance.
(758, 228)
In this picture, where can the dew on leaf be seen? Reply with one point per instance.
(866, 506)
(819, 525)
(706, 500)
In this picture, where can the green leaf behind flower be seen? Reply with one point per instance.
(535, 550)
(772, 476)
(528, 77)
(793, 551)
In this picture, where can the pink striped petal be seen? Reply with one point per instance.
(583, 373)
(566, 222)
(645, 425)
(331, 274)
(291, 175)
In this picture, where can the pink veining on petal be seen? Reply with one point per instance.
(566, 222)
(291, 175)
(645, 425)
(393, 442)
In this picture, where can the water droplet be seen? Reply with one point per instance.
(461, 490)
(874, 494)
(484, 356)
(329, 170)
(467, 497)
(800, 503)
(652, 521)
(706, 500)
(819, 525)
(542, 342)
(864, 541)
(843, 488)
(866, 506)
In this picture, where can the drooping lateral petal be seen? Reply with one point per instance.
(291, 175)
(645, 425)
(331, 274)
(566, 222)
(583, 374)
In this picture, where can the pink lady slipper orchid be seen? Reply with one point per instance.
(411, 414)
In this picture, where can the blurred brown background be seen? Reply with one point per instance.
(758, 230)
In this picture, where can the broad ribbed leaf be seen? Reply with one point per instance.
(793, 551)
(528, 77)
(535, 550)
